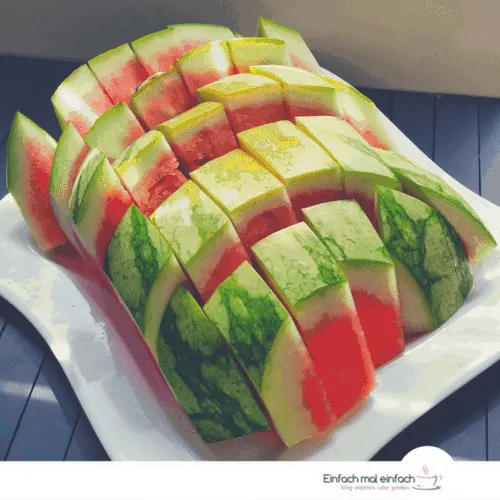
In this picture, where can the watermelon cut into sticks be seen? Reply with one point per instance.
(247, 313)
(30, 152)
(307, 278)
(203, 377)
(300, 54)
(80, 100)
(425, 186)
(432, 269)
(158, 51)
(97, 205)
(347, 232)
(201, 236)
(249, 100)
(149, 170)
(362, 168)
(205, 65)
(253, 198)
(160, 98)
(246, 52)
(199, 135)
(310, 175)
(119, 72)
(114, 131)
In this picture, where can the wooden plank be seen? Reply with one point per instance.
(21, 354)
(47, 424)
(489, 148)
(382, 98)
(456, 141)
(84, 443)
(413, 114)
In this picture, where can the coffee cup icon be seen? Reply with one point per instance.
(428, 482)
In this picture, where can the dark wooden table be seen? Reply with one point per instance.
(40, 417)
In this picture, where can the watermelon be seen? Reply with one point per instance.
(68, 158)
(252, 197)
(199, 135)
(306, 277)
(246, 52)
(304, 93)
(80, 99)
(205, 65)
(97, 205)
(249, 100)
(158, 51)
(149, 171)
(432, 269)
(429, 188)
(347, 232)
(30, 152)
(160, 98)
(310, 175)
(362, 169)
(267, 344)
(114, 131)
(201, 236)
(360, 112)
(203, 376)
(119, 72)
(300, 55)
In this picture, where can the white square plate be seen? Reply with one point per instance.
(129, 404)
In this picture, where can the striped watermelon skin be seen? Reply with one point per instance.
(203, 376)
(30, 153)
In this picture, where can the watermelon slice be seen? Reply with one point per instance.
(310, 175)
(205, 65)
(424, 185)
(249, 100)
(432, 269)
(304, 93)
(300, 54)
(362, 169)
(158, 51)
(253, 198)
(114, 131)
(246, 52)
(80, 99)
(199, 135)
(68, 158)
(149, 171)
(160, 98)
(267, 344)
(304, 274)
(97, 205)
(361, 113)
(355, 244)
(201, 236)
(30, 152)
(119, 72)
(200, 371)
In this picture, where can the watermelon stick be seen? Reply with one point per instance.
(353, 241)
(310, 283)
(201, 236)
(267, 344)
(200, 371)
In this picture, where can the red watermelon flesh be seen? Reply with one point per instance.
(199, 135)
(252, 116)
(160, 98)
(119, 72)
(367, 133)
(30, 152)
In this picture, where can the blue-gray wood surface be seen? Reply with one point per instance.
(40, 417)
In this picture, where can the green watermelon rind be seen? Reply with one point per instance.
(202, 374)
(440, 267)
(278, 53)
